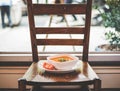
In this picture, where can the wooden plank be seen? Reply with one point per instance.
(59, 42)
(59, 9)
(58, 30)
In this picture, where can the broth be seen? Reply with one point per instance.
(62, 59)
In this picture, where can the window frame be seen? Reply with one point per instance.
(25, 58)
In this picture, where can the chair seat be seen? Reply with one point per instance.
(86, 75)
(52, 81)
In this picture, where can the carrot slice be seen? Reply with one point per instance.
(48, 66)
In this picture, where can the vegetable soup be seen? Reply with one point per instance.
(62, 59)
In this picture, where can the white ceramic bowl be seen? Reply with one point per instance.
(64, 65)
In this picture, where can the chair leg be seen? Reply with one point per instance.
(97, 85)
(22, 85)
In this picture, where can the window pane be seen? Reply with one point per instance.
(16, 38)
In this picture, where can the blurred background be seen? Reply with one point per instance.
(15, 37)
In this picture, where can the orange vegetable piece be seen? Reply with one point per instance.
(48, 66)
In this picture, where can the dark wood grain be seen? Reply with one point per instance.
(59, 30)
(59, 42)
(59, 9)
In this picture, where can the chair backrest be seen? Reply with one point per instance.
(58, 9)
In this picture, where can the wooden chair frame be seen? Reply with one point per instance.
(87, 71)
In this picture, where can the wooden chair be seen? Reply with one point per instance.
(82, 79)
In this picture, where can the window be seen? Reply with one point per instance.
(15, 42)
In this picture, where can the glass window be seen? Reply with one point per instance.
(16, 37)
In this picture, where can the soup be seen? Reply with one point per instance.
(62, 59)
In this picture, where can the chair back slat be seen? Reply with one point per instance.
(59, 9)
(59, 30)
(59, 42)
